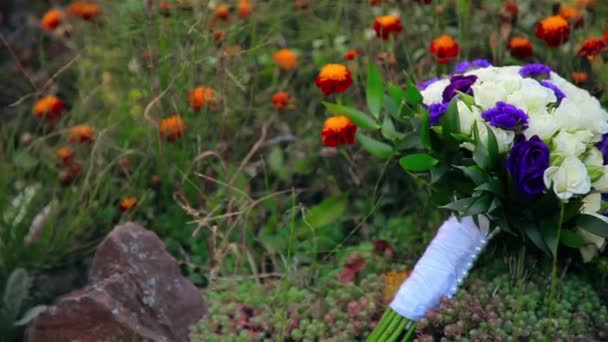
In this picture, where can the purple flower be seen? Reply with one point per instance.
(436, 112)
(535, 70)
(603, 147)
(425, 84)
(506, 116)
(465, 66)
(527, 163)
(458, 83)
(558, 92)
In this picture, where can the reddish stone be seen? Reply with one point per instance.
(136, 293)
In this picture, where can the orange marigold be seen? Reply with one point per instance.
(338, 130)
(245, 8)
(202, 96)
(334, 78)
(579, 77)
(51, 19)
(127, 203)
(67, 175)
(520, 47)
(165, 8)
(592, 47)
(65, 155)
(285, 59)
(82, 133)
(86, 10)
(572, 14)
(554, 30)
(352, 54)
(49, 107)
(282, 101)
(385, 25)
(172, 128)
(509, 12)
(444, 48)
(222, 11)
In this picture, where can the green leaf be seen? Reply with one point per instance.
(548, 229)
(412, 94)
(492, 146)
(15, 292)
(425, 130)
(467, 99)
(461, 204)
(493, 185)
(418, 162)
(535, 236)
(375, 147)
(571, 238)
(388, 129)
(475, 173)
(480, 154)
(375, 90)
(360, 119)
(593, 225)
(481, 205)
(450, 123)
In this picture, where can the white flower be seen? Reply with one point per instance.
(594, 157)
(434, 92)
(467, 116)
(593, 243)
(601, 184)
(592, 203)
(569, 179)
(532, 97)
(584, 113)
(504, 139)
(542, 125)
(571, 144)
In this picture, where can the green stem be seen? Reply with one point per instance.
(399, 330)
(393, 329)
(554, 269)
(382, 325)
(410, 333)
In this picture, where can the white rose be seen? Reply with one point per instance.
(594, 157)
(467, 116)
(601, 184)
(486, 94)
(592, 203)
(533, 98)
(504, 138)
(571, 144)
(434, 92)
(542, 125)
(569, 179)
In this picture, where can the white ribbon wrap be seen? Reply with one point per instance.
(444, 265)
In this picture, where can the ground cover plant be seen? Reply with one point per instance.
(237, 131)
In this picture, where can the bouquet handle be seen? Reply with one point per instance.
(443, 267)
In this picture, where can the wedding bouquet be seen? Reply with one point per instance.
(513, 149)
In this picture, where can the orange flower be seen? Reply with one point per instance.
(49, 107)
(605, 38)
(127, 203)
(222, 11)
(172, 128)
(374, 2)
(509, 12)
(338, 130)
(572, 15)
(86, 10)
(218, 35)
(592, 47)
(520, 47)
(444, 48)
(554, 30)
(285, 59)
(579, 77)
(202, 96)
(245, 8)
(386, 25)
(65, 155)
(67, 175)
(165, 8)
(282, 101)
(334, 78)
(352, 54)
(51, 19)
(82, 133)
